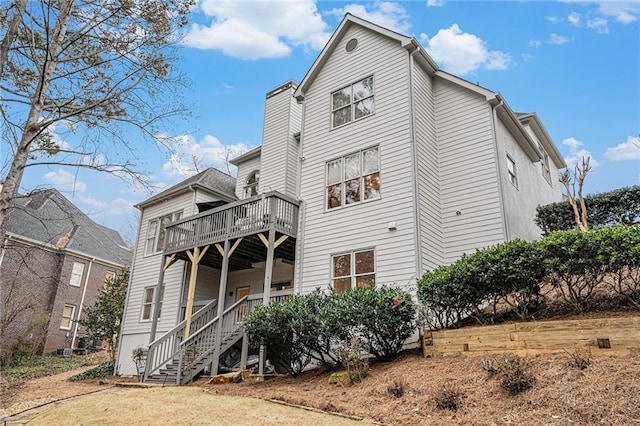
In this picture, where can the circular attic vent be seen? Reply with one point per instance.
(351, 45)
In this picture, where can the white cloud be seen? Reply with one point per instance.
(209, 152)
(526, 56)
(435, 3)
(386, 14)
(574, 19)
(118, 206)
(534, 43)
(64, 181)
(557, 39)
(624, 12)
(462, 53)
(577, 151)
(254, 30)
(629, 150)
(554, 19)
(600, 25)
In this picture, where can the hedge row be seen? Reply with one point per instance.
(307, 328)
(621, 206)
(574, 263)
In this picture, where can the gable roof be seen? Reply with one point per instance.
(47, 217)
(255, 152)
(409, 43)
(531, 119)
(210, 180)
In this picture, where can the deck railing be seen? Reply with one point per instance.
(238, 219)
(163, 349)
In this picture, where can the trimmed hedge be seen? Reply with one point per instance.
(574, 263)
(306, 328)
(621, 206)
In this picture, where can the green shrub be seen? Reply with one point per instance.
(621, 206)
(309, 327)
(103, 370)
(281, 328)
(383, 317)
(623, 265)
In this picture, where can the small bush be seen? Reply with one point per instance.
(514, 373)
(579, 359)
(396, 389)
(350, 354)
(450, 397)
(103, 370)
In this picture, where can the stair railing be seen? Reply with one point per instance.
(204, 339)
(163, 349)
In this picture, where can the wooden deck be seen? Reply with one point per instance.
(603, 336)
(239, 219)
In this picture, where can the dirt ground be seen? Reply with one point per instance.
(606, 393)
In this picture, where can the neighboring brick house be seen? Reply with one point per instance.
(55, 263)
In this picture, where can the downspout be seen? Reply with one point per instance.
(417, 235)
(499, 164)
(84, 292)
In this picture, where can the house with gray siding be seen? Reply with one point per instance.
(376, 167)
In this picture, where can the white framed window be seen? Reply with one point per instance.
(546, 170)
(352, 102)
(155, 232)
(76, 274)
(511, 170)
(68, 313)
(147, 303)
(353, 178)
(353, 269)
(251, 184)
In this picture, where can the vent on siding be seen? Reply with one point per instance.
(351, 45)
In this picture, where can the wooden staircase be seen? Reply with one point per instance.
(174, 361)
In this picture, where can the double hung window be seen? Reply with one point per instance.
(353, 269)
(511, 169)
(76, 274)
(251, 185)
(155, 232)
(67, 317)
(352, 103)
(353, 178)
(147, 302)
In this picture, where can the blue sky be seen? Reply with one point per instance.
(575, 63)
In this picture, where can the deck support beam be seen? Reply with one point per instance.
(226, 252)
(266, 292)
(195, 257)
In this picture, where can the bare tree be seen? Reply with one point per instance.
(93, 69)
(570, 179)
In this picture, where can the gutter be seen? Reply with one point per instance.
(528, 145)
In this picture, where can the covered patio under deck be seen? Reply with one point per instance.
(233, 237)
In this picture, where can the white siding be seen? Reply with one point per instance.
(279, 148)
(468, 171)
(532, 190)
(244, 169)
(428, 175)
(361, 225)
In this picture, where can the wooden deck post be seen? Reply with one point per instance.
(266, 293)
(244, 354)
(224, 273)
(195, 259)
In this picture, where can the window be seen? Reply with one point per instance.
(546, 170)
(353, 178)
(67, 316)
(251, 185)
(353, 270)
(155, 233)
(352, 103)
(511, 168)
(147, 302)
(76, 274)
